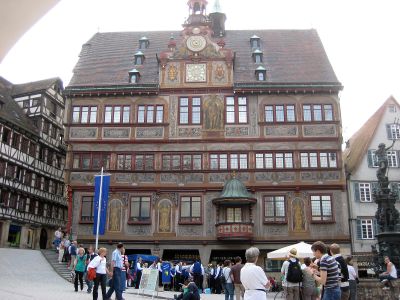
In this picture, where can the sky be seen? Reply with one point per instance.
(361, 38)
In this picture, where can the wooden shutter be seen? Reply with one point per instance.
(356, 187)
(358, 230)
(389, 132)
(376, 227)
(370, 162)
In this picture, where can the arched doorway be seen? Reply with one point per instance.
(43, 239)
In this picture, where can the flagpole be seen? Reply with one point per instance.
(99, 209)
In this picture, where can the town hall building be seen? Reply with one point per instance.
(215, 139)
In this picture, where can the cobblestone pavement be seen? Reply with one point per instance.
(26, 275)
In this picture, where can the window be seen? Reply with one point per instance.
(189, 110)
(233, 214)
(190, 210)
(225, 161)
(6, 139)
(274, 160)
(392, 108)
(364, 190)
(24, 145)
(124, 162)
(140, 209)
(236, 110)
(52, 107)
(150, 114)
(391, 156)
(366, 228)
(53, 131)
(32, 149)
(87, 214)
(181, 162)
(272, 265)
(84, 114)
(317, 112)
(274, 209)
(46, 127)
(321, 208)
(117, 114)
(255, 41)
(2, 167)
(5, 195)
(139, 58)
(91, 161)
(393, 131)
(15, 140)
(144, 162)
(279, 113)
(143, 43)
(315, 160)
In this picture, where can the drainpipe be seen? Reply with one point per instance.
(349, 210)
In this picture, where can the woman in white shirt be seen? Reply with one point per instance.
(352, 278)
(99, 263)
(253, 277)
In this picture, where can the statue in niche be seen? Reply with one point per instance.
(164, 219)
(299, 223)
(214, 113)
(114, 223)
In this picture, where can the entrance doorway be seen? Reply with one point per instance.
(14, 235)
(43, 239)
(222, 255)
(176, 255)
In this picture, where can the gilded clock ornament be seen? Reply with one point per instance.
(196, 43)
(196, 72)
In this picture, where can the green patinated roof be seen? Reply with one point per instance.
(235, 189)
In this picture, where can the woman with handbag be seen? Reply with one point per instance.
(99, 263)
(79, 268)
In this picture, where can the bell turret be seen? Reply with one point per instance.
(217, 18)
(197, 12)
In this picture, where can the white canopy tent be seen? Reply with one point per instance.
(303, 250)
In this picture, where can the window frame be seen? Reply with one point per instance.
(181, 161)
(91, 112)
(191, 220)
(190, 110)
(121, 114)
(365, 191)
(321, 216)
(275, 114)
(277, 219)
(154, 113)
(323, 112)
(141, 219)
(318, 156)
(372, 229)
(90, 218)
(228, 160)
(234, 208)
(236, 110)
(274, 160)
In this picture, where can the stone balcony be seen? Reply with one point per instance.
(235, 231)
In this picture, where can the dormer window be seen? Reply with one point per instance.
(255, 42)
(139, 58)
(144, 43)
(134, 76)
(257, 56)
(261, 73)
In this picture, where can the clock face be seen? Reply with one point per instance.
(196, 43)
(196, 72)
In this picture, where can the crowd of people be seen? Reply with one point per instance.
(326, 276)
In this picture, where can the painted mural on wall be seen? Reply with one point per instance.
(115, 215)
(298, 215)
(214, 113)
(164, 216)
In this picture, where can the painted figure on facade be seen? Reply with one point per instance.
(213, 113)
(115, 213)
(298, 215)
(164, 217)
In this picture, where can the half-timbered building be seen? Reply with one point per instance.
(215, 139)
(32, 160)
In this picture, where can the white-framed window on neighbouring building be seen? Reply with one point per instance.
(365, 228)
(365, 192)
(393, 131)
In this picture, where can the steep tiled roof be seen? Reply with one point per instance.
(290, 56)
(11, 112)
(35, 86)
(361, 140)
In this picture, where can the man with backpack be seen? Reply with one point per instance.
(197, 272)
(344, 272)
(291, 269)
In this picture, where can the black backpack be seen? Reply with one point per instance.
(294, 273)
